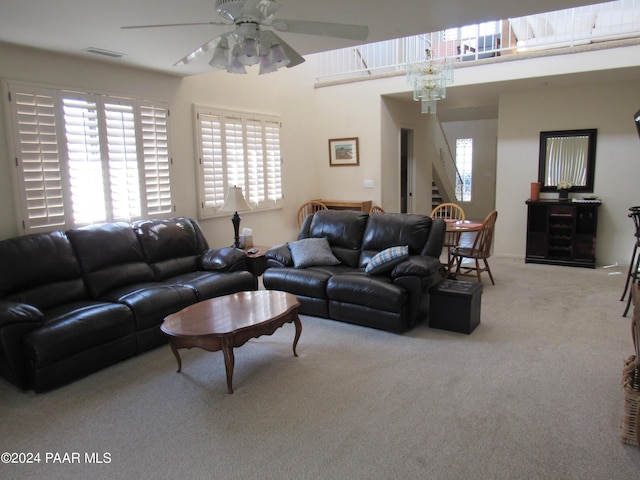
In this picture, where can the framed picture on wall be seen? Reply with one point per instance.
(343, 152)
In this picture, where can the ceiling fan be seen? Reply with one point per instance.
(249, 43)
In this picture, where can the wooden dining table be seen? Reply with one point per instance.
(460, 226)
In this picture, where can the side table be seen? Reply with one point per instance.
(257, 262)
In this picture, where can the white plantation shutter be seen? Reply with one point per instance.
(35, 138)
(212, 184)
(157, 161)
(86, 158)
(255, 192)
(241, 150)
(273, 162)
(124, 174)
(233, 136)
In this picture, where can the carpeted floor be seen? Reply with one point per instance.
(533, 393)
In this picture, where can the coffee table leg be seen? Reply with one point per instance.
(229, 361)
(298, 324)
(174, 349)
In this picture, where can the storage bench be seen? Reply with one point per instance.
(455, 306)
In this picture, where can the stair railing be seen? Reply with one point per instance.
(447, 171)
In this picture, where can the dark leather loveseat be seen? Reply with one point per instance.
(74, 302)
(393, 300)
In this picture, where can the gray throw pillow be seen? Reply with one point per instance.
(312, 251)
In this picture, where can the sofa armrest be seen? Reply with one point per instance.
(228, 259)
(16, 320)
(279, 256)
(435, 241)
(19, 313)
(416, 266)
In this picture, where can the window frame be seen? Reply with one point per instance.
(151, 134)
(459, 188)
(237, 149)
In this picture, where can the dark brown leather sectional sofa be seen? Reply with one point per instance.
(74, 302)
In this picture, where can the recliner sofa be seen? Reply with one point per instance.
(394, 300)
(74, 302)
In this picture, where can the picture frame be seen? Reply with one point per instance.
(343, 152)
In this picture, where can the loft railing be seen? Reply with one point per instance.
(563, 28)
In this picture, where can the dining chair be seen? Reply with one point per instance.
(376, 209)
(480, 250)
(449, 211)
(634, 265)
(309, 208)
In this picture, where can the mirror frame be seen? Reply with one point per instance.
(591, 158)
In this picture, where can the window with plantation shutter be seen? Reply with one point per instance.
(155, 154)
(236, 149)
(83, 158)
(35, 139)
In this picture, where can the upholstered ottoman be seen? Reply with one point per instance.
(455, 306)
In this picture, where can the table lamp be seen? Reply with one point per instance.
(235, 202)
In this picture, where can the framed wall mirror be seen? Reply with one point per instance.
(567, 156)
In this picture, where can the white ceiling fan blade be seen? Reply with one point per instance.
(201, 50)
(173, 25)
(263, 9)
(338, 30)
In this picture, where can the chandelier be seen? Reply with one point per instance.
(429, 80)
(246, 46)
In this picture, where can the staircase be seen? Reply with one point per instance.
(444, 169)
(436, 197)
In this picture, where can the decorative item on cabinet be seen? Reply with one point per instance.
(535, 191)
(563, 191)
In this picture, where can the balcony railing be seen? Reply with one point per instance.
(602, 22)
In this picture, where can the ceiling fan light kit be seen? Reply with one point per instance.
(251, 47)
(251, 44)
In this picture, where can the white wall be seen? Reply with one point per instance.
(609, 107)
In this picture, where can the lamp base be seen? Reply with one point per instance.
(236, 229)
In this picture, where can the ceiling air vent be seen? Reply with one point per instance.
(105, 53)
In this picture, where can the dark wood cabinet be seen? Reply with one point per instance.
(562, 232)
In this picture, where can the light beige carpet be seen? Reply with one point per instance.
(533, 393)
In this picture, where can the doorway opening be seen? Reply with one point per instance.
(406, 170)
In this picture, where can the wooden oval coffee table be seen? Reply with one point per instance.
(224, 323)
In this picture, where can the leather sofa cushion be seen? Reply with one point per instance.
(110, 257)
(175, 266)
(342, 228)
(77, 327)
(52, 294)
(40, 269)
(104, 245)
(152, 302)
(306, 282)
(373, 292)
(35, 259)
(167, 238)
(386, 230)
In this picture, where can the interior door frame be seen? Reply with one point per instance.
(407, 169)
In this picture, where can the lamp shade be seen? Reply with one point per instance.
(235, 201)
